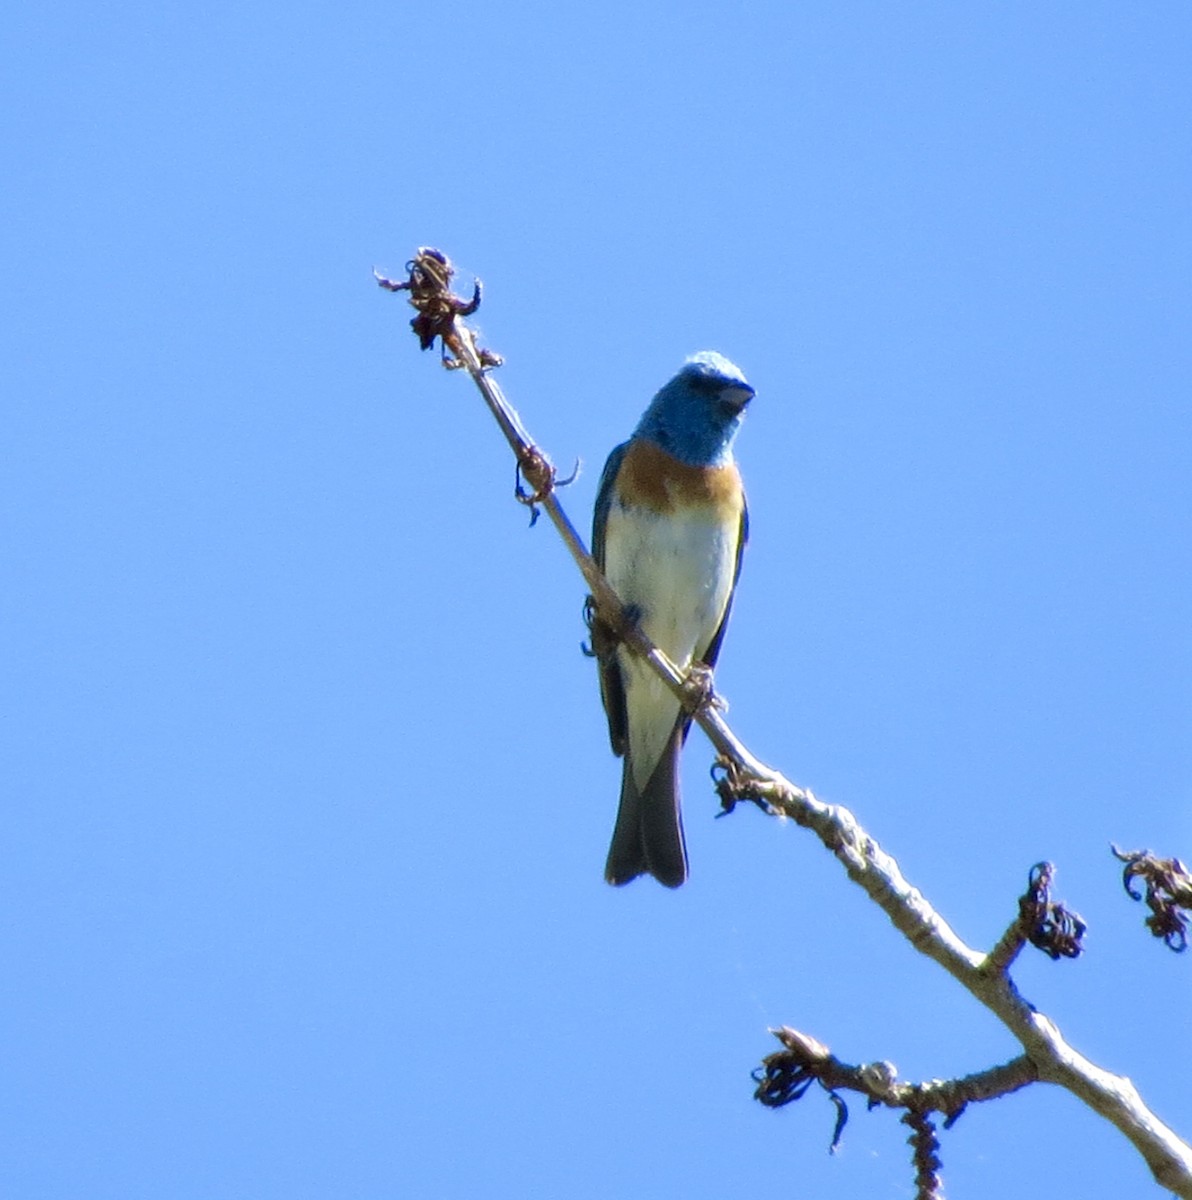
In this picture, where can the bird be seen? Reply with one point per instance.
(668, 532)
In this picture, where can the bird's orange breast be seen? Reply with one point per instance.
(653, 479)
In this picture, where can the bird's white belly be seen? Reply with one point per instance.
(677, 572)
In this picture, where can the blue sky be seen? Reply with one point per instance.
(307, 787)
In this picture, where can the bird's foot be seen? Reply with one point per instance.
(698, 692)
(606, 636)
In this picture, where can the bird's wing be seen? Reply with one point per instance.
(604, 642)
(713, 650)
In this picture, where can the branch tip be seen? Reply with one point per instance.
(1049, 925)
(1045, 923)
(428, 281)
(1167, 889)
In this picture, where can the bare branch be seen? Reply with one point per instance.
(744, 777)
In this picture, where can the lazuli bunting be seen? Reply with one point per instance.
(668, 533)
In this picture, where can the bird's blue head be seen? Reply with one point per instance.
(696, 415)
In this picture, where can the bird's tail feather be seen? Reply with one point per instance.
(648, 836)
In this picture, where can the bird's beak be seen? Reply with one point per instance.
(736, 396)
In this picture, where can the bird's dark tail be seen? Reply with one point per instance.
(648, 836)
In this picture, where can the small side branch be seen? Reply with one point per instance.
(1043, 922)
(787, 1075)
